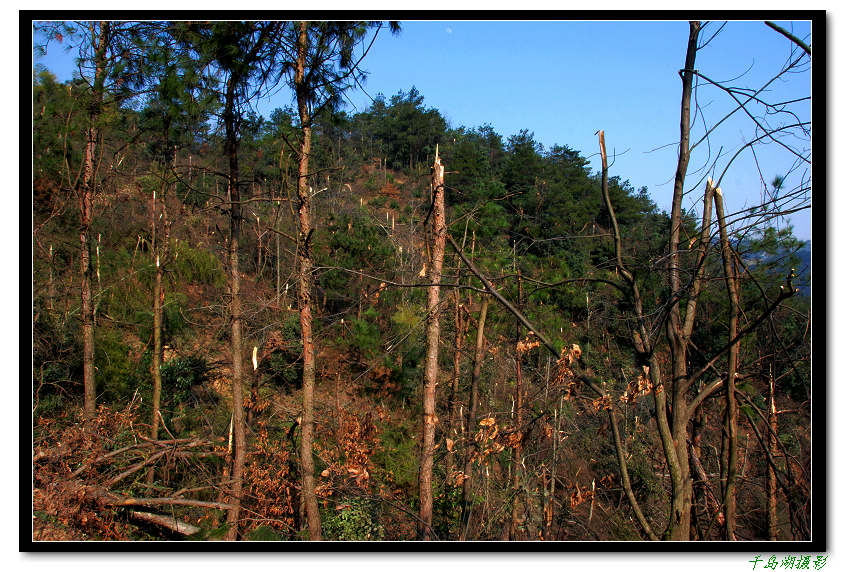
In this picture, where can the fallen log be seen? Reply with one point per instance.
(167, 522)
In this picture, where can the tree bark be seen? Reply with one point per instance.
(730, 428)
(304, 292)
(460, 326)
(516, 507)
(771, 478)
(160, 253)
(676, 436)
(477, 358)
(100, 40)
(432, 342)
(238, 430)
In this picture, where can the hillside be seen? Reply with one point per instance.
(378, 326)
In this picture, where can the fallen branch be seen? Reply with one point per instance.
(135, 468)
(111, 499)
(167, 522)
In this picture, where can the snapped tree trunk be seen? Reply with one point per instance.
(771, 478)
(730, 428)
(304, 291)
(160, 253)
(432, 344)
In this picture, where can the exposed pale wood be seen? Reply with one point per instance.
(167, 522)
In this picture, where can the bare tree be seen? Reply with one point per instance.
(432, 346)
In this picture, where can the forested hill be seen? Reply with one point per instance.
(380, 326)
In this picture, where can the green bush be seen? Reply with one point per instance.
(179, 374)
(266, 534)
(357, 520)
(397, 455)
(198, 266)
(117, 376)
(365, 335)
(284, 368)
(372, 183)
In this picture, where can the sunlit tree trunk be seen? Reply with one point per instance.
(673, 427)
(306, 264)
(432, 352)
(730, 428)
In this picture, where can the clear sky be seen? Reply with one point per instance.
(564, 80)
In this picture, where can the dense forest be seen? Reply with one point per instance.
(324, 325)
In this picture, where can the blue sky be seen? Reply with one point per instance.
(565, 80)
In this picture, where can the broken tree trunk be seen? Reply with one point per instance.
(432, 342)
(730, 454)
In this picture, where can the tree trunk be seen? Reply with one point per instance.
(238, 429)
(730, 429)
(674, 431)
(86, 194)
(471, 416)
(86, 207)
(158, 301)
(460, 326)
(771, 480)
(432, 342)
(456, 375)
(516, 507)
(304, 294)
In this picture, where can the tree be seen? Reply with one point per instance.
(321, 67)
(246, 55)
(679, 392)
(110, 70)
(438, 226)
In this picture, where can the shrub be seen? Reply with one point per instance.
(355, 520)
(179, 374)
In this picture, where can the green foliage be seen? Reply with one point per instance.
(357, 519)
(179, 374)
(377, 202)
(265, 534)
(197, 265)
(57, 360)
(365, 336)
(448, 500)
(406, 130)
(116, 374)
(407, 317)
(284, 367)
(397, 455)
(210, 533)
(351, 241)
(372, 183)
